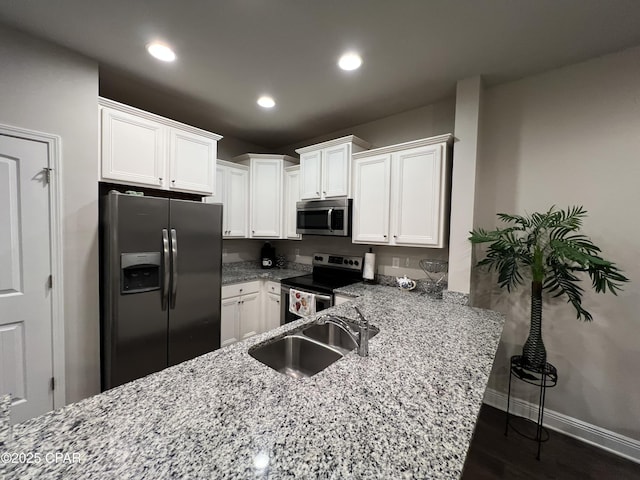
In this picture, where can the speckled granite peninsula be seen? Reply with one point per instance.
(406, 411)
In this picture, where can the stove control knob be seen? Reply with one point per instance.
(350, 262)
(356, 263)
(345, 261)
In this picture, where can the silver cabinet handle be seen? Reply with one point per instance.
(165, 268)
(174, 267)
(173, 181)
(324, 192)
(160, 178)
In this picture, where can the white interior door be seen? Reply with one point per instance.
(26, 365)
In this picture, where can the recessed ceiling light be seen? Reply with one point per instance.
(266, 102)
(161, 52)
(350, 61)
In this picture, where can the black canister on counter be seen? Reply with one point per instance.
(268, 256)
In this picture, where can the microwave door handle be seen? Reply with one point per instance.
(329, 214)
(174, 267)
(165, 268)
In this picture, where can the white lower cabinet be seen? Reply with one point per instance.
(250, 313)
(272, 311)
(240, 312)
(248, 309)
(229, 321)
(401, 194)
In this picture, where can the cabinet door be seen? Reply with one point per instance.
(311, 175)
(335, 171)
(371, 192)
(237, 203)
(250, 315)
(272, 312)
(340, 299)
(229, 321)
(133, 149)
(266, 198)
(192, 162)
(417, 196)
(291, 197)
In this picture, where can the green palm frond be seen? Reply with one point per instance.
(548, 247)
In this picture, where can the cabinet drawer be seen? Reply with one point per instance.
(272, 287)
(240, 289)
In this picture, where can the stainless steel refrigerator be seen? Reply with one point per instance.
(161, 274)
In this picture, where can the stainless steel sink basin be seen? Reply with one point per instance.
(296, 356)
(331, 334)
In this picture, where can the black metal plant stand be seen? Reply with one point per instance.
(543, 377)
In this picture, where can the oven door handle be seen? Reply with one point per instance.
(329, 214)
(328, 298)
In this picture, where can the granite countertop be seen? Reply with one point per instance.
(406, 411)
(247, 271)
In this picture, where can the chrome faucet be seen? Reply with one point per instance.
(361, 337)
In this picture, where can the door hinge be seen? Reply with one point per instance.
(52, 383)
(50, 281)
(47, 174)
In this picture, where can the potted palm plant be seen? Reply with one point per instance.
(547, 248)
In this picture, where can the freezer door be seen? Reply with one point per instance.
(134, 324)
(194, 303)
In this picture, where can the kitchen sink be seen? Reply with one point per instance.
(309, 349)
(296, 356)
(334, 336)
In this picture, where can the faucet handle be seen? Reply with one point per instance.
(362, 317)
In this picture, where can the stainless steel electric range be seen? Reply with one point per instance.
(329, 272)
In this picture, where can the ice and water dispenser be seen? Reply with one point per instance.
(139, 272)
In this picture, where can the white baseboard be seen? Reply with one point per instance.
(606, 439)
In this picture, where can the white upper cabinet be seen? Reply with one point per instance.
(141, 148)
(311, 175)
(291, 197)
(401, 194)
(371, 192)
(237, 203)
(132, 148)
(192, 162)
(266, 196)
(325, 168)
(232, 190)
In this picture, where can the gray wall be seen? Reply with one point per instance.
(51, 90)
(572, 137)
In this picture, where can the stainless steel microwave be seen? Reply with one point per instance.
(324, 217)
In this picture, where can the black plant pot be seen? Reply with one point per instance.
(533, 352)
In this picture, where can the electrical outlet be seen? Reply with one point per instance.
(297, 252)
(395, 262)
(224, 252)
(406, 262)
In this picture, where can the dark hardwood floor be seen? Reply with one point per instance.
(494, 456)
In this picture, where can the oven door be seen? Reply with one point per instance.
(322, 302)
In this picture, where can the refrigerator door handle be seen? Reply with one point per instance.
(165, 268)
(174, 268)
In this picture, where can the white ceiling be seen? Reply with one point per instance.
(231, 51)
